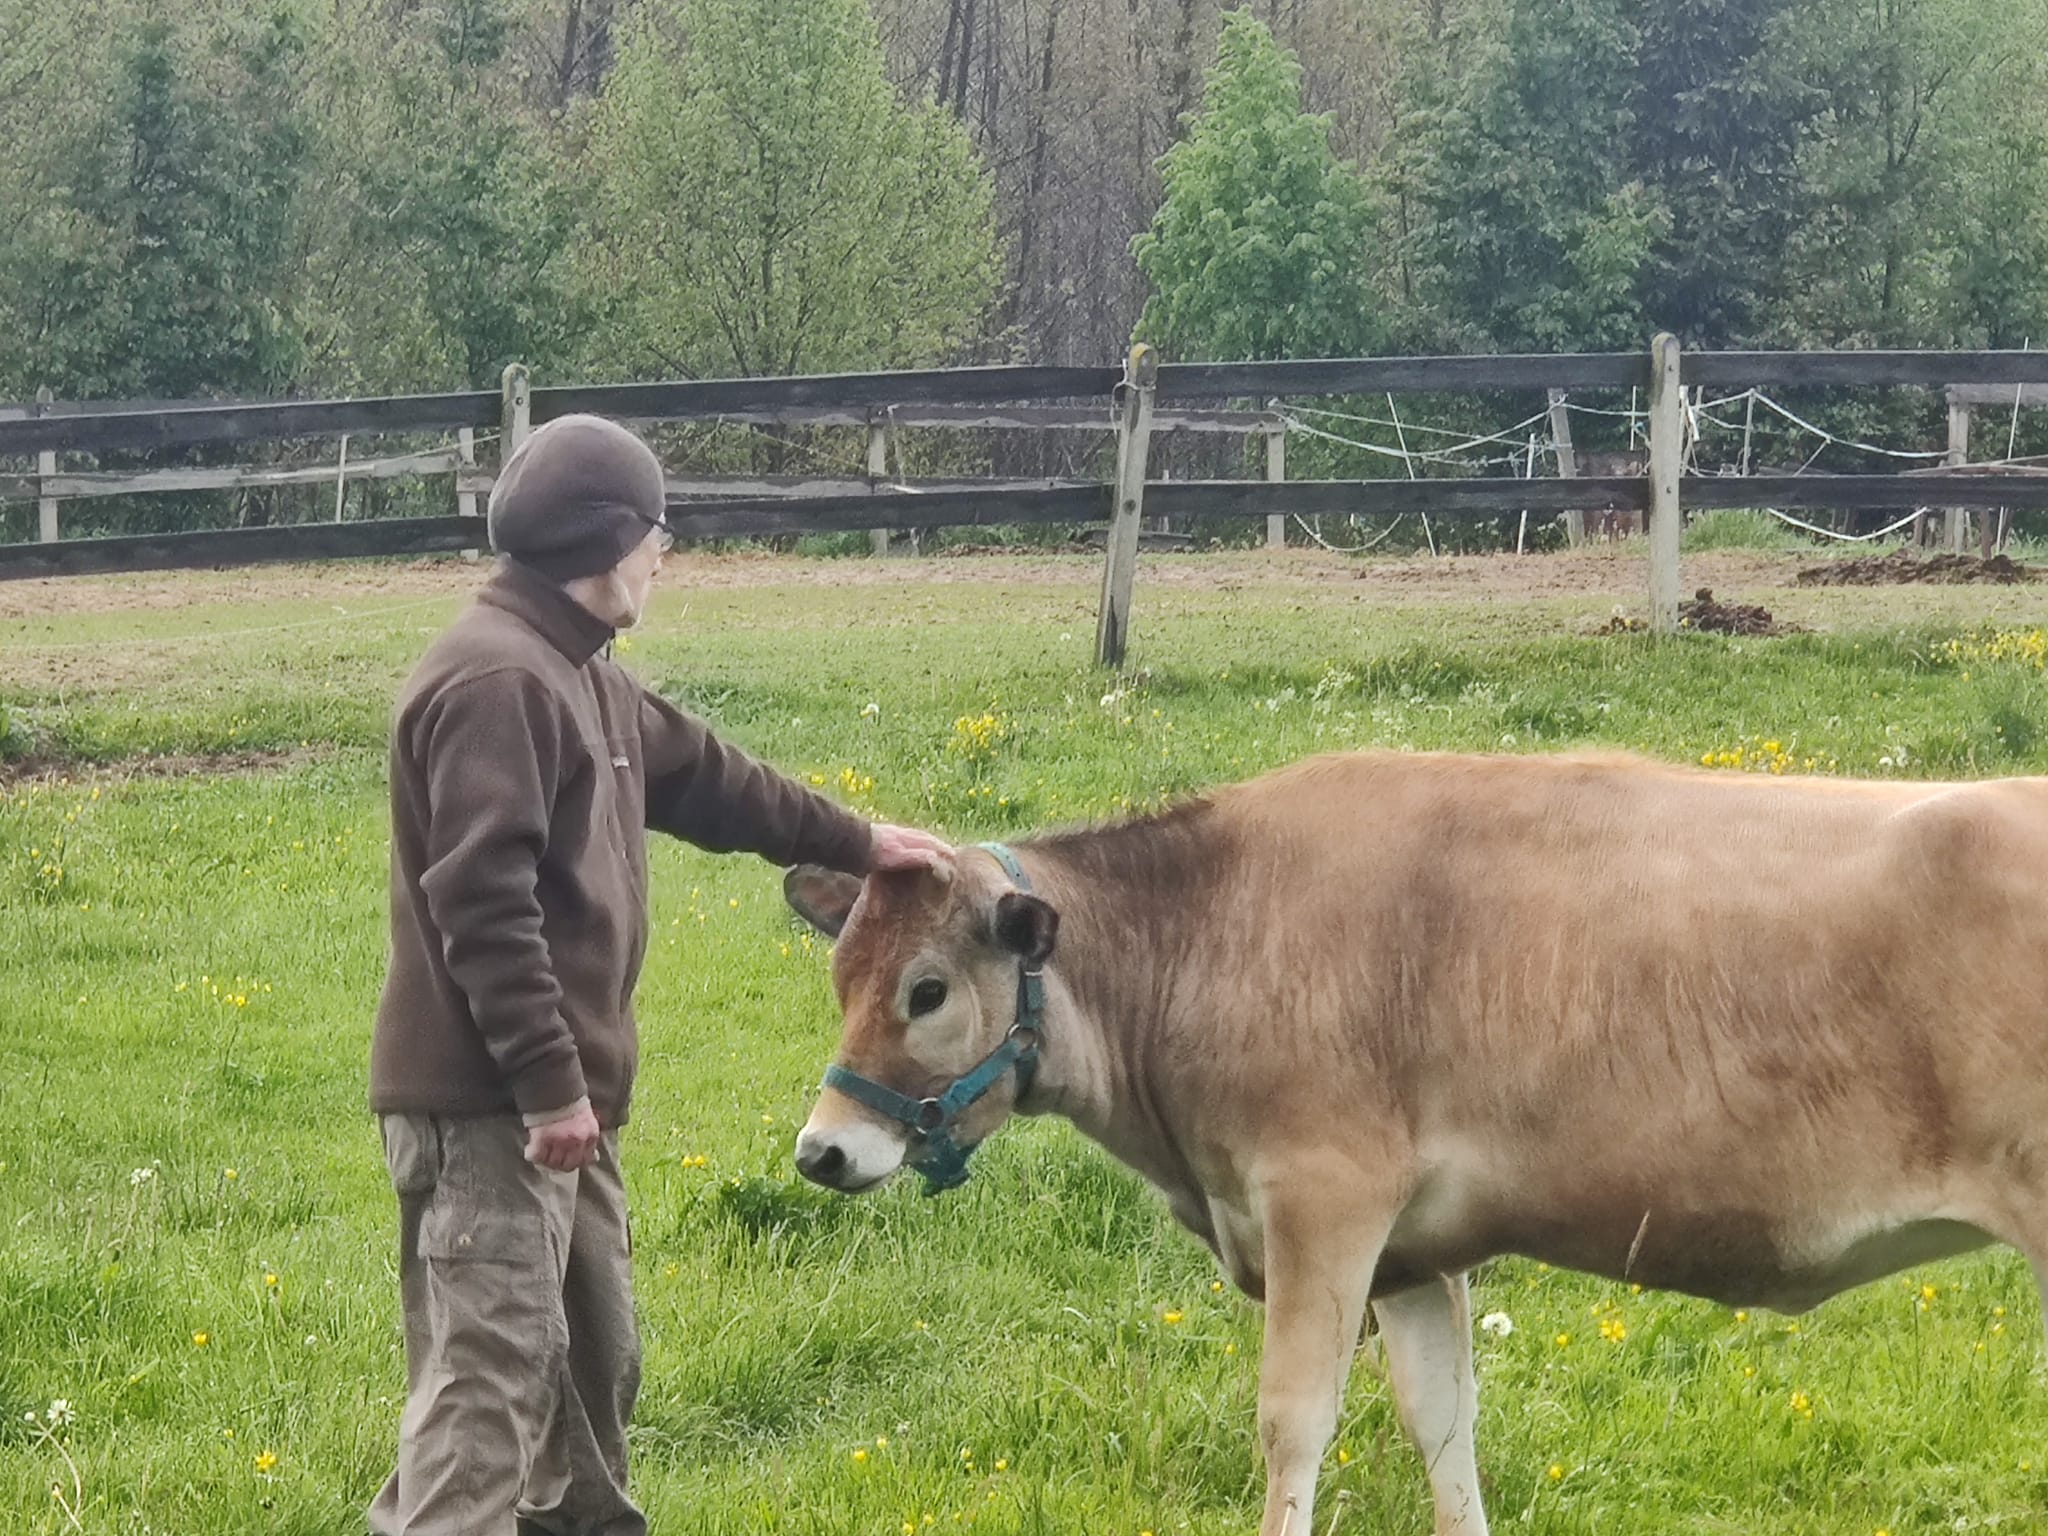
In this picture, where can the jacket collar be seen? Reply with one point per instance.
(544, 607)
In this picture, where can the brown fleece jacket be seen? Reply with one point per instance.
(524, 767)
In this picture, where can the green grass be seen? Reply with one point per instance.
(191, 996)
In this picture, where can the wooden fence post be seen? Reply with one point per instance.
(515, 413)
(878, 466)
(1276, 471)
(465, 454)
(1956, 531)
(46, 465)
(1567, 464)
(465, 501)
(1667, 449)
(1133, 455)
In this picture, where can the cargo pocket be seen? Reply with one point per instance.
(486, 1205)
(412, 1151)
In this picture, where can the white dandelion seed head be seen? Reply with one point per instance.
(1498, 1324)
(140, 1176)
(60, 1410)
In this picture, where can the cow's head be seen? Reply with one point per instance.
(931, 969)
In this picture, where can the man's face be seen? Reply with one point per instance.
(637, 572)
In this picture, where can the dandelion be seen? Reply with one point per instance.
(1801, 1404)
(1557, 1472)
(60, 1411)
(1562, 1340)
(1002, 1464)
(861, 1454)
(1499, 1324)
(1172, 1317)
(229, 1174)
(1214, 1285)
(201, 1339)
(1614, 1330)
(265, 1461)
(1343, 1457)
(1742, 1317)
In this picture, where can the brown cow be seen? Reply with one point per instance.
(1372, 1019)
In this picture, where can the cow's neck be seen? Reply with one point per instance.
(1118, 986)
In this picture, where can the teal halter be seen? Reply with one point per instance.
(931, 1121)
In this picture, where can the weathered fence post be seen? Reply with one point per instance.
(46, 465)
(1667, 450)
(1133, 455)
(878, 466)
(1567, 464)
(1956, 531)
(515, 413)
(465, 457)
(465, 501)
(1276, 471)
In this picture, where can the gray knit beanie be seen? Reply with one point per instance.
(576, 497)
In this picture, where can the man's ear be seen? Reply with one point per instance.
(1026, 926)
(822, 897)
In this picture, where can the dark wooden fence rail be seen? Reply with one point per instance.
(1144, 397)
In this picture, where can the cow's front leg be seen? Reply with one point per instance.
(1322, 1238)
(1427, 1332)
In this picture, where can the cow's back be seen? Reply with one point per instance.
(1632, 1016)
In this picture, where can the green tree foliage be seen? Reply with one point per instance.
(154, 244)
(1719, 114)
(440, 253)
(1528, 227)
(1262, 247)
(764, 202)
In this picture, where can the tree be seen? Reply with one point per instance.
(1528, 228)
(764, 203)
(1718, 117)
(438, 252)
(156, 234)
(1262, 246)
(1922, 172)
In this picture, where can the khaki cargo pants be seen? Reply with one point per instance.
(522, 1359)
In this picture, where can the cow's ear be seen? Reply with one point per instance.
(822, 897)
(1026, 926)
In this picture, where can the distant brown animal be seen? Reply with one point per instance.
(1612, 522)
(1372, 1019)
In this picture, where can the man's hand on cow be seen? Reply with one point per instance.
(566, 1144)
(898, 848)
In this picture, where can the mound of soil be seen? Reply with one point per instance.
(1902, 566)
(1701, 612)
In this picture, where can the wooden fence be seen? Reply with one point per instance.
(1146, 398)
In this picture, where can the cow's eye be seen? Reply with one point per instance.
(926, 996)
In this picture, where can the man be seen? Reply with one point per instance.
(524, 768)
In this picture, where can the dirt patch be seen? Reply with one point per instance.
(1617, 569)
(49, 769)
(1702, 613)
(1902, 566)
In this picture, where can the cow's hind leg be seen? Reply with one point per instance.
(1323, 1236)
(1427, 1334)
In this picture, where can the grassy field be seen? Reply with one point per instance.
(199, 1258)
